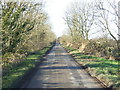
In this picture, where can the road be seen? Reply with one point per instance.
(59, 70)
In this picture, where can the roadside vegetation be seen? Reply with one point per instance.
(104, 69)
(25, 37)
(92, 39)
(13, 76)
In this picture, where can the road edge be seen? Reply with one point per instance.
(27, 76)
(85, 68)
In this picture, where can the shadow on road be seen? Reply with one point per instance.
(62, 67)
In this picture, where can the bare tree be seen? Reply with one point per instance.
(79, 19)
(105, 21)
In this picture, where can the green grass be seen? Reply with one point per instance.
(33, 57)
(104, 69)
(70, 49)
(14, 75)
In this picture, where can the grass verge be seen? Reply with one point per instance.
(104, 69)
(16, 74)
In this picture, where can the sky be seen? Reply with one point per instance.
(55, 10)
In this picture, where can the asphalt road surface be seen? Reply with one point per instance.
(59, 70)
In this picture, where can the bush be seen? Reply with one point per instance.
(101, 48)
